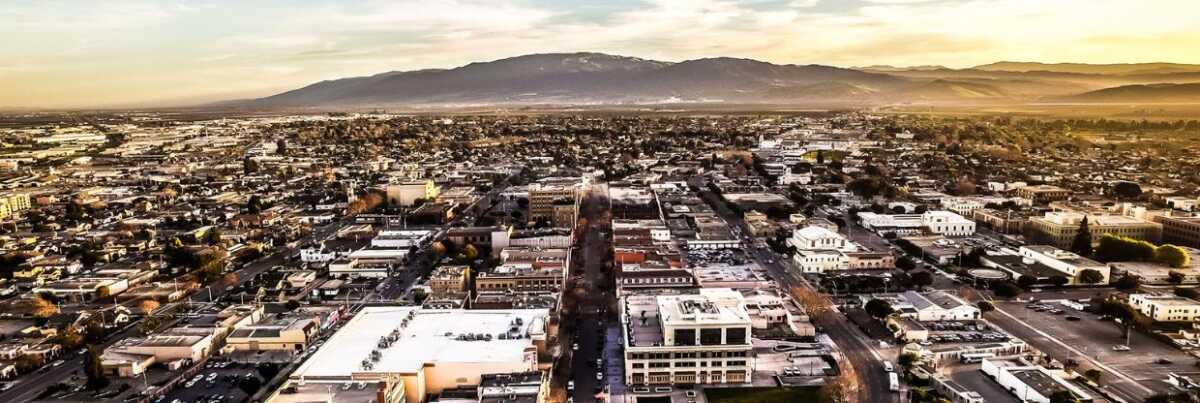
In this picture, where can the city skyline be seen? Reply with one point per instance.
(166, 53)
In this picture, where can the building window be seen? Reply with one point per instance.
(710, 337)
(735, 335)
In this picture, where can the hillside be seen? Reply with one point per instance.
(1152, 93)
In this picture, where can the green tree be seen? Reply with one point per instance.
(1090, 276)
(1093, 374)
(922, 279)
(878, 308)
(249, 166)
(1171, 255)
(1082, 244)
(1059, 281)
(1006, 289)
(1063, 396)
(907, 359)
(1027, 281)
(985, 307)
(254, 205)
(1175, 277)
(1127, 282)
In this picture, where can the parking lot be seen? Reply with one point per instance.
(963, 332)
(217, 382)
(1132, 374)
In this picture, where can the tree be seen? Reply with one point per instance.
(922, 279)
(905, 263)
(1188, 293)
(1093, 374)
(254, 205)
(1082, 244)
(907, 359)
(1090, 276)
(213, 236)
(43, 308)
(1171, 255)
(250, 385)
(1063, 396)
(1175, 277)
(1006, 290)
(1127, 190)
(1127, 282)
(985, 307)
(249, 166)
(148, 306)
(878, 308)
(470, 252)
(1027, 281)
(419, 295)
(94, 369)
(1059, 281)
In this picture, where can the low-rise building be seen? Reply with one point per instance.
(1166, 307)
(429, 350)
(1030, 383)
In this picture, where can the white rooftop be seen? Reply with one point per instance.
(430, 336)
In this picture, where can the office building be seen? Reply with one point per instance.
(687, 339)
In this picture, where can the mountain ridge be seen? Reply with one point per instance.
(600, 78)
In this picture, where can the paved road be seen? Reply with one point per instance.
(851, 342)
(591, 322)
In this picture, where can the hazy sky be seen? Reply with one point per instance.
(76, 53)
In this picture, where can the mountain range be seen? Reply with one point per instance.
(597, 79)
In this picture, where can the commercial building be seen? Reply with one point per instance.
(1030, 383)
(131, 356)
(429, 350)
(1183, 231)
(544, 197)
(687, 339)
(407, 193)
(284, 334)
(1059, 228)
(943, 223)
(937, 306)
(12, 203)
(1044, 261)
(1165, 307)
(1043, 193)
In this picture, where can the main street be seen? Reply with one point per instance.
(591, 319)
(873, 385)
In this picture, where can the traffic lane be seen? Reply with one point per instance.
(583, 364)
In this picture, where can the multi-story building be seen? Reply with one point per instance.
(449, 280)
(12, 203)
(407, 193)
(520, 277)
(1184, 231)
(1043, 193)
(687, 339)
(819, 238)
(544, 197)
(1059, 228)
(943, 223)
(1166, 307)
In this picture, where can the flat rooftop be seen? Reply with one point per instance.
(425, 336)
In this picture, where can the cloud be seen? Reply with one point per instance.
(281, 43)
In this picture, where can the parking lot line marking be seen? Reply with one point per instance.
(1077, 352)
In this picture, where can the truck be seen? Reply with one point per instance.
(893, 382)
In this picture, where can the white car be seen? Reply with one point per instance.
(570, 385)
(599, 376)
(1121, 347)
